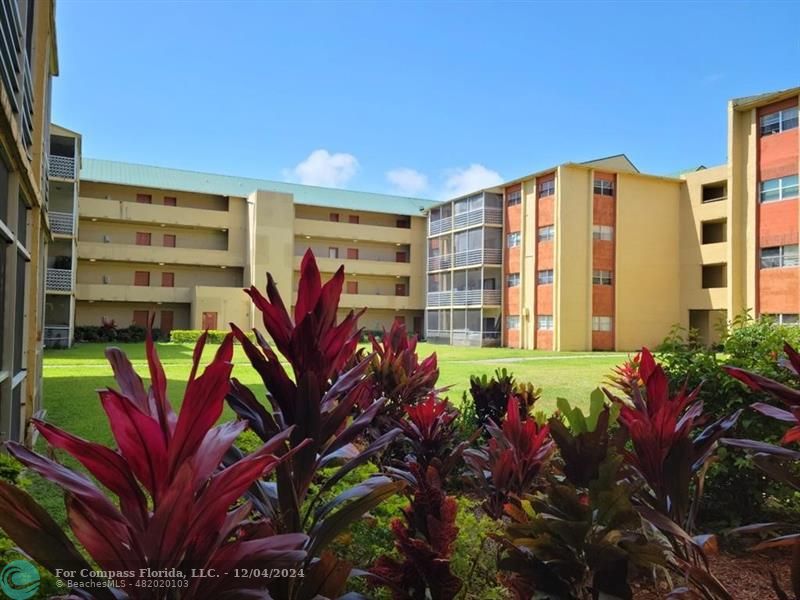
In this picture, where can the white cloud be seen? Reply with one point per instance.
(407, 181)
(325, 169)
(460, 181)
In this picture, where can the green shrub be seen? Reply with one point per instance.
(98, 333)
(190, 336)
(735, 491)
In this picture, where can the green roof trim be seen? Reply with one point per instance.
(121, 173)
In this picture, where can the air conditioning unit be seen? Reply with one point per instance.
(106, 239)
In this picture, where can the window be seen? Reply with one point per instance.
(143, 239)
(714, 192)
(544, 322)
(714, 232)
(170, 201)
(546, 233)
(786, 318)
(513, 239)
(400, 289)
(547, 188)
(512, 322)
(714, 276)
(779, 121)
(169, 240)
(140, 318)
(209, 320)
(141, 278)
(168, 280)
(779, 256)
(352, 253)
(353, 219)
(144, 198)
(602, 324)
(333, 253)
(781, 188)
(333, 217)
(601, 277)
(513, 280)
(544, 277)
(602, 232)
(514, 198)
(603, 187)
(403, 224)
(352, 287)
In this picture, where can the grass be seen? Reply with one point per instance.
(71, 378)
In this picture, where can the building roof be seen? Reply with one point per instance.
(746, 102)
(121, 173)
(618, 162)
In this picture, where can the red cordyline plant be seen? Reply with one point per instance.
(424, 538)
(430, 432)
(320, 403)
(506, 468)
(777, 462)
(176, 505)
(669, 459)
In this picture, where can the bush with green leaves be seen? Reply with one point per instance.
(735, 491)
(190, 336)
(100, 333)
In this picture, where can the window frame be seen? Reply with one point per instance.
(545, 189)
(603, 233)
(543, 279)
(548, 238)
(781, 259)
(780, 120)
(513, 322)
(549, 324)
(781, 189)
(602, 323)
(514, 198)
(516, 236)
(602, 277)
(515, 277)
(603, 187)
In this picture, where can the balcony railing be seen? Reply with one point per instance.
(487, 256)
(59, 280)
(61, 222)
(56, 336)
(481, 216)
(476, 297)
(440, 335)
(439, 299)
(440, 226)
(467, 337)
(62, 166)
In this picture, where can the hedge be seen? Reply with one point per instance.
(95, 333)
(190, 336)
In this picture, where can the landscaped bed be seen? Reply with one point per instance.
(355, 471)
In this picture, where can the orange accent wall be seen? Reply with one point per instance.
(778, 154)
(602, 300)
(512, 301)
(603, 255)
(545, 211)
(603, 210)
(544, 256)
(544, 299)
(512, 260)
(544, 339)
(512, 338)
(511, 264)
(778, 223)
(602, 340)
(778, 290)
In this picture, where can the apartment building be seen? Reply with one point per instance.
(599, 256)
(28, 61)
(183, 244)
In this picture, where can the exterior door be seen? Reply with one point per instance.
(169, 240)
(353, 219)
(141, 278)
(418, 326)
(352, 253)
(167, 318)
(143, 239)
(352, 287)
(170, 201)
(140, 318)
(209, 320)
(168, 280)
(399, 289)
(334, 217)
(401, 256)
(144, 198)
(333, 253)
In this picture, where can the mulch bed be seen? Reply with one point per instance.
(745, 576)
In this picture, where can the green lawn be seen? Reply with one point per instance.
(71, 378)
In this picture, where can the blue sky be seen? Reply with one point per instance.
(428, 98)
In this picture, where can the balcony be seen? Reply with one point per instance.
(377, 301)
(436, 299)
(61, 223)
(714, 253)
(360, 267)
(156, 254)
(131, 293)
(135, 212)
(58, 280)
(481, 216)
(314, 228)
(476, 298)
(56, 336)
(485, 256)
(441, 336)
(62, 167)
(466, 337)
(440, 226)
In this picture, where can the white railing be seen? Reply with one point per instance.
(476, 297)
(438, 226)
(436, 263)
(481, 216)
(439, 298)
(437, 334)
(488, 256)
(61, 222)
(56, 336)
(62, 166)
(59, 280)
